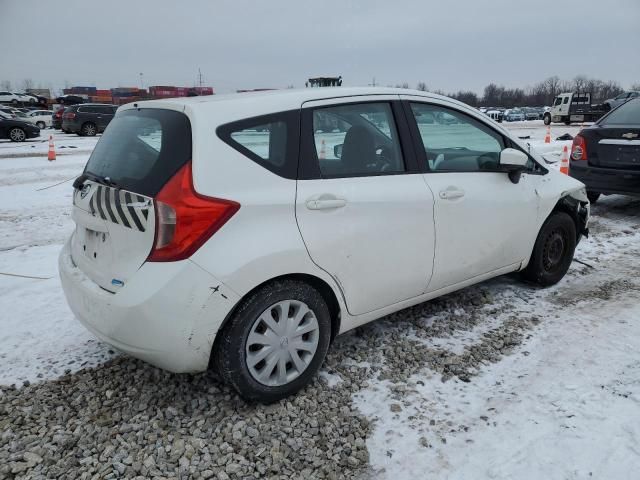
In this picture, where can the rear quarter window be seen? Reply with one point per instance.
(626, 114)
(269, 140)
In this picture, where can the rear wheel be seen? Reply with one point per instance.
(17, 134)
(275, 342)
(553, 251)
(593, 196)
(41, 125)
(88, 130)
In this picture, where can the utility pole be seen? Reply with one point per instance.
(373, 83)
(199, 77)
(141, 81)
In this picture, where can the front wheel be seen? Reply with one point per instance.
(41, 125)
(547, 119)
(553, 251)
(275, 342)
(17, 135)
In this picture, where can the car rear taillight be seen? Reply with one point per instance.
(58, 114)
(185, 219)
(69, 115)
(579, 148)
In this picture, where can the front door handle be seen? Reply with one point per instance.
(451, 194)
(325, 203)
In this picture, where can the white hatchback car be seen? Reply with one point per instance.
(245, 232)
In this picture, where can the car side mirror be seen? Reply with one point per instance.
(513, 162)
(337, 150)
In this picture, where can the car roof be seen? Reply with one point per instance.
(292, 98)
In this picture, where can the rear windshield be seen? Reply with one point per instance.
(626, 114)
(141, 149)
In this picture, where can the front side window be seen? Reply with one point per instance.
(557, 102)
(357, 140)
(454, 141)
(566, 100)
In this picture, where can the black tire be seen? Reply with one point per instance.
(17, 134)
(547, 119)
(553, 251)
(88, 129)
(41, 125)
(14, 101)
(229, 355)
(593, 196)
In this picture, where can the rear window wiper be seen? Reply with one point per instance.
(96, 178)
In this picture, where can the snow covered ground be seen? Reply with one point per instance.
(562, 403)
(39, 337)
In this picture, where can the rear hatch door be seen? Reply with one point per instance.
(113, 201)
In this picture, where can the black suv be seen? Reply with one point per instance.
(87, 119)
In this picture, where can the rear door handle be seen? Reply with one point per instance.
(325, 203)
(451, 194)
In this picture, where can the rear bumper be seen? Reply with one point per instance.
(607, 180)
(70, 126)
(168, 314)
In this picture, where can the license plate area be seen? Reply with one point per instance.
(95, 244)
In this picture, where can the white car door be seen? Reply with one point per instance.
(484, 222)
(364, 212)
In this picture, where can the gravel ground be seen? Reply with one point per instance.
(125, 419)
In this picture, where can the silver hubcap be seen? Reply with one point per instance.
(17, 135)
(90, 130)
(282, 343)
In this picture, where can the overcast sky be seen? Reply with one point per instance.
(448, 44)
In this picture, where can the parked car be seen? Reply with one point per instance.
(201, 240)
(70, 100)
(620, 99)
(606, 155)
(496, 115)
(8, 97)
(514, 115)
(8, 111)
(56, 119)
(41, 118)
(87, 119)
(26, 98)
(17, 130)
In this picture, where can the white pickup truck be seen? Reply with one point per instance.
(574, 107)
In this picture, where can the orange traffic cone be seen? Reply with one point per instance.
(323, 150)
(52, 152)
(564, 161)
(547, 138)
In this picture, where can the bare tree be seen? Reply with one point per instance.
(27, 84)
(5, 85)
(422, 87)
(553, 86)
(635, 86)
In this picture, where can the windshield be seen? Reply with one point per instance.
(626, 114)
(141, 149)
